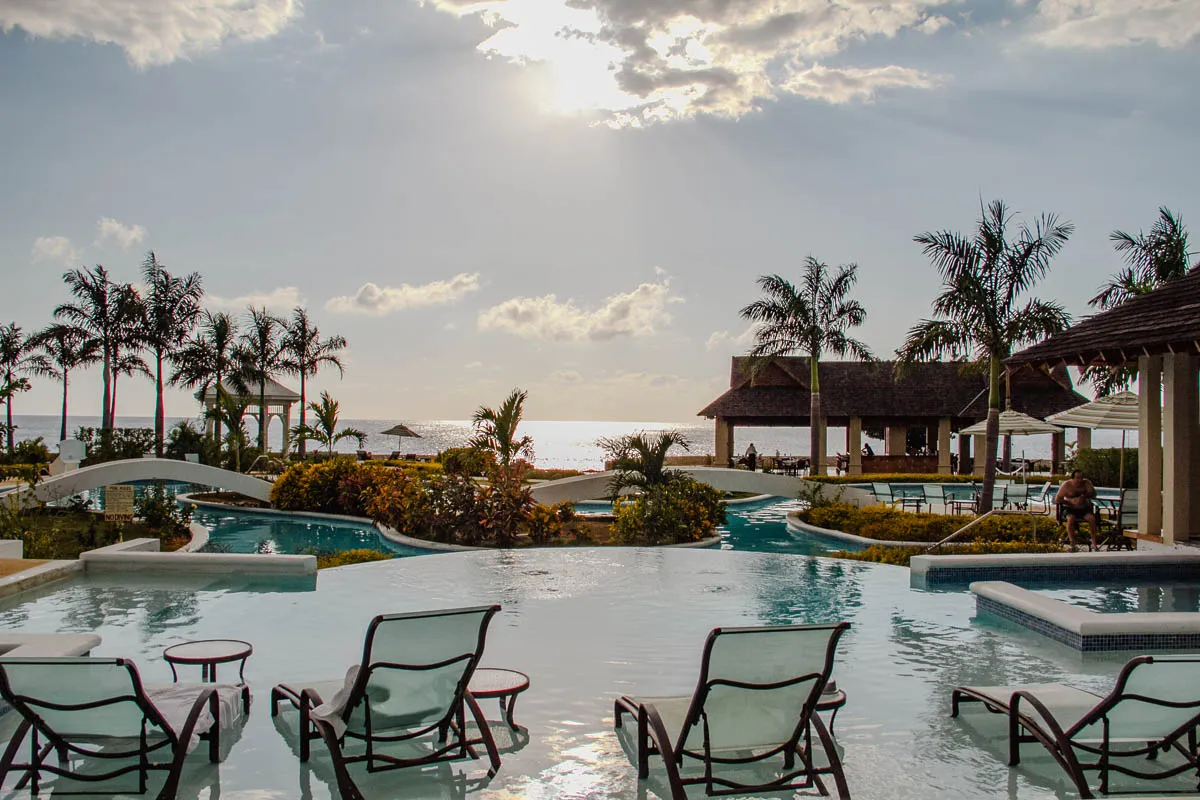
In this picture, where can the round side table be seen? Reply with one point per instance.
(207, 654)
(502, 684)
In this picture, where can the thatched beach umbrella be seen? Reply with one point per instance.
(400, 432)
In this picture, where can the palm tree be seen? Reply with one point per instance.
(205, 360)
(304, 353)
(16, 358)
(981, 311)
(171, 309)
(325, 432)
(231, 411)
(104, 311)
(640, 459)
(62, 348)
(496, 430)
(813, 319)
(1151, 259)
(259, 355)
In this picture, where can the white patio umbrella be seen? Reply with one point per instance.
(1014, 423)
(1115, 412)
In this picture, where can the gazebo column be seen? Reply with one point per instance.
(210, 423)
(724, 442)
(1150, 449)
(895, 442)
(1058, 450)
(854, 445)
(1180, 422)
(819, 467)
(981, 453)
(1083, 439)
(964, 454)
(943, 446)
(287, 427)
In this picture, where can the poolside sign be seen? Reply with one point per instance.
(118, 504)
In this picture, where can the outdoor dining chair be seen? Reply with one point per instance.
(1152, 712)
(755, 703)
(80, 713)
(410, 688)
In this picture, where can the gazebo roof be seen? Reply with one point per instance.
(1166, 320)
(276, 393)
(779, 395)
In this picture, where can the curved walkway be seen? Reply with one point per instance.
(149, 469)
(594, 486)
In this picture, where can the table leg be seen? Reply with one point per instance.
(508, 713)
(174, 674)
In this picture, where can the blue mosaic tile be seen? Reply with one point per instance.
(1042, 573)
(1143, 642)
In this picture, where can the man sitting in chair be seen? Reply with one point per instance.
(1075, 499)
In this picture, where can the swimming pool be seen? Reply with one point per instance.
(759, 527)
(1117, 598)
(588, 624)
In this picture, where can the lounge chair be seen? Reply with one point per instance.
(1043, 499)
(411, 686)
(1125, 519)
(755, 700)
(961, 497)
(883, 493)
(363, 455)
(911, 495)
(1153, 709)
(96, 711)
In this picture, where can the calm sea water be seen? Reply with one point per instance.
(557, 444)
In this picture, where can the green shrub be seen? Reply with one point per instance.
(891, 525)
(681, 510)
(468, 461)
(897, 477)
(551, 474)
(115, 444)
(1102, 467)
(26, 473)
(900, 556)
(32, 452)
(548, 524)
(184, 439)
(336, 486)
(344, 558)
(428, 467)
(161, 514)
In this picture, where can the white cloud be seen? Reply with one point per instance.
(284, 298)
(1107, 23)
(151, 32)
(741, 342)
(642, 312)
(379, 301)
(473, 365)
(566, 376)
(124, 236)
(648, 61)
(58, 249)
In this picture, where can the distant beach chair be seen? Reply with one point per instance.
(1153, 710)
(411, 686)
(363, 455)
(89, 712)
(755, 701)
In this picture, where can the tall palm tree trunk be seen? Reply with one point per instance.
(106, 409)
(159, 410)
(62, 433)
(112, 403)
(302, 445)
(815, 458)
(8, 381)
(217, 421)
(992, 437)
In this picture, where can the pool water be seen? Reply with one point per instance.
(1124, 599)
(589, 624)
(249, 532)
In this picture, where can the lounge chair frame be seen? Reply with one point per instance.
(653, 738)
(448, 748)
(1039, 725)
(35, 728)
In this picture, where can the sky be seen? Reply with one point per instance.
(574, 197)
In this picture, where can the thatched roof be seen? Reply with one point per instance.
(1166, 320)
(924, 393)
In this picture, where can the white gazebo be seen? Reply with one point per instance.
(280, 400)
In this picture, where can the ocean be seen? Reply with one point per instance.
(557, 444)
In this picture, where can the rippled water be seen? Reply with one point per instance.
(1123, 599)
(588, 625)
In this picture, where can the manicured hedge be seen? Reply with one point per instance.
(682, 510)
(891, 525)
(882, 554)
(896, 478)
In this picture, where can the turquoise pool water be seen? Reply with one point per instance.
(757, 527)
(588, 625)
(1123, 599)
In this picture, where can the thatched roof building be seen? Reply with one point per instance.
(937, 396)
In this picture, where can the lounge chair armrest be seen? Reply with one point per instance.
(1030, 699)
(207, 697)
(650, 723)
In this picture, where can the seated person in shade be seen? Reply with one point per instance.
(866, 449)
(1075, 499)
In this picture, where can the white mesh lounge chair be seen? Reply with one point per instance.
(77, 713)
(1153, 709)
(755, 701)
(411, 687)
